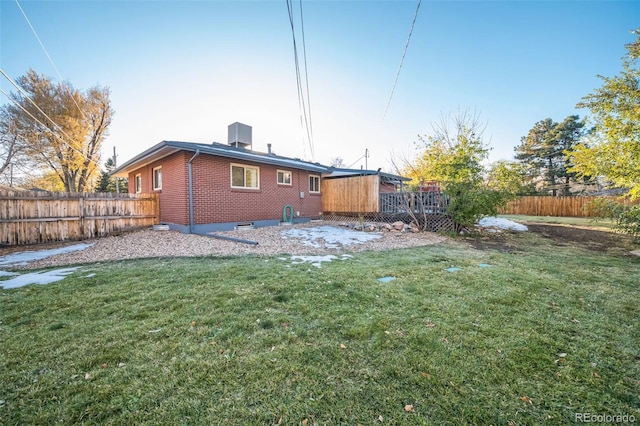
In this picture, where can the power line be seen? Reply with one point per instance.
(23, 93)
(26, 111)
(395, 82)
(33, 30)
(305, 118)
(306, 79)
(26, 95)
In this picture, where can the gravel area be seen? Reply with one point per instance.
(271, 241)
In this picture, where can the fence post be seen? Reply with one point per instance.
(81, 215)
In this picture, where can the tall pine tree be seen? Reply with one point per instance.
(543, 150)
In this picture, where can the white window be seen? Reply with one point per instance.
(137, 182)
(314, 183)
(157, 178)
(245, 176)
(284, 177)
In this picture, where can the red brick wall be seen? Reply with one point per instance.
(214, 199)
(174, 195)
(387, 187)
(216, 202)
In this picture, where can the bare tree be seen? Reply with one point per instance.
(12, 156)
(337, 162)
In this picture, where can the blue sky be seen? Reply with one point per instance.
(184, 70)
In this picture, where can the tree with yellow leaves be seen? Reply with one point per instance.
(61, 128)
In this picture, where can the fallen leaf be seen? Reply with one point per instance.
(430, 324)
(408, 408)
(445, 340)
(380, 418)
(103, 365)
(280, 420)
(425, 375)
(87, 376)
(342, 346)
(526, 399)
(193, 323)
(121, 364)
(596, 375)
(304, 422)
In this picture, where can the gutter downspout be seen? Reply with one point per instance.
(190, 173)
(191, 220)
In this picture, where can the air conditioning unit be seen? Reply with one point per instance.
(239, 135)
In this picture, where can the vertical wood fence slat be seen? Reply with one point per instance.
(552, 206)
(30, 217)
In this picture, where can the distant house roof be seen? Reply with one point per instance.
(166, 148)
(385, 177)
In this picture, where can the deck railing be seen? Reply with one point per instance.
(429, 202)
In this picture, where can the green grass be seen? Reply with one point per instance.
(588, 222)
(260, 341)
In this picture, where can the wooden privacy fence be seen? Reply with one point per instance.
(30, 217)
(552, 206)
(357, 194)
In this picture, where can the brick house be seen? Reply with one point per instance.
(216, 187)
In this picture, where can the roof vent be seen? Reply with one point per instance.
(240, 135)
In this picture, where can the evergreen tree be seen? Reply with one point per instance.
(107, 183)
(543, 150)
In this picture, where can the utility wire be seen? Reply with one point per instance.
(50, 59)
(26, 111)
(353, 164)
(23, 93)
(395, 82)
(306, 79)
(26, 95)
(302, 104)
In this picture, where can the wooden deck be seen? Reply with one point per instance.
(413, 202)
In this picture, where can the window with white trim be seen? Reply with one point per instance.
(247, 177)
(314, 183)
(284, 177)
(157, 178)
(137, 183)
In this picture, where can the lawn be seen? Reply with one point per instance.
(536, 334)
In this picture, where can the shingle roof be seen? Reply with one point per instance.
(166, 148)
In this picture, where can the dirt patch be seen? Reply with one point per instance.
(499, 241)
(559, 235)
(586, 238)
